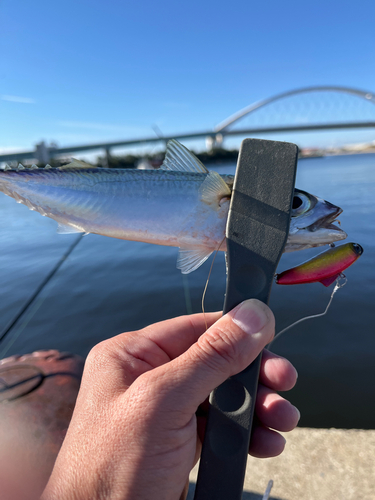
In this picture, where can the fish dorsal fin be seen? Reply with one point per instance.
(179, 158)
(329, 281)
(214, 189)
(189, 260)
(67, 229)
(76, 164)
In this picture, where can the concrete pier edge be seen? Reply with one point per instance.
(317, 464)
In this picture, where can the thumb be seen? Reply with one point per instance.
(225, 349)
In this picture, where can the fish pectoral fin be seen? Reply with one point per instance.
(329, 281)
(179, 158)
(189, 260)
(67, 229)
(76, 164)
(214, 189)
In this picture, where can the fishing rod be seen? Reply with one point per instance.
(37, 292)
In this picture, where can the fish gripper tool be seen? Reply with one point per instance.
(257, 231)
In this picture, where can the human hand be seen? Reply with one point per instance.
(133, 434)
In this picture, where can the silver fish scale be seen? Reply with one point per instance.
(74, 176)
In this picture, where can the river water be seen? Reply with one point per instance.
(108, 286)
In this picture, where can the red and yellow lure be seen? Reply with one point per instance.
(325, 268)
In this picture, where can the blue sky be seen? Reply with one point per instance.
(85, 71)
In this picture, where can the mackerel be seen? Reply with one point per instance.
(182, 204)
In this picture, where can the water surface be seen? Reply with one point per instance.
(108, 286)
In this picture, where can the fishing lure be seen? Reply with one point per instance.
(324, 268)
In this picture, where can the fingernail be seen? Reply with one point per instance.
(250, 316)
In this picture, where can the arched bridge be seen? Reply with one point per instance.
(303, 109)
(319, 90)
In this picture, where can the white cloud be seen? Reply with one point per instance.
(16, 98)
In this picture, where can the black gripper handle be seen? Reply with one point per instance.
(257, 230)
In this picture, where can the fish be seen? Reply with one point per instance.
(324, 268)
(182, 204)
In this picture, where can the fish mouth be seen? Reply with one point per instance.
(327, 221)
(316, 227)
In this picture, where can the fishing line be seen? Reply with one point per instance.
(34, 296)
(185, 284)
(337, 287)
(208, 279)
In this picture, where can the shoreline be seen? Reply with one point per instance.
(317, 464)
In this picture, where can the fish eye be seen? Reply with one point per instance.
(301, 204)
(297, 202)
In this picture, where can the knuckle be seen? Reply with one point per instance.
(98, 356)
(219, 347)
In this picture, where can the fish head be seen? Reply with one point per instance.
(311, 223)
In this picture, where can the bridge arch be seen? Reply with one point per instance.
(225, 124)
